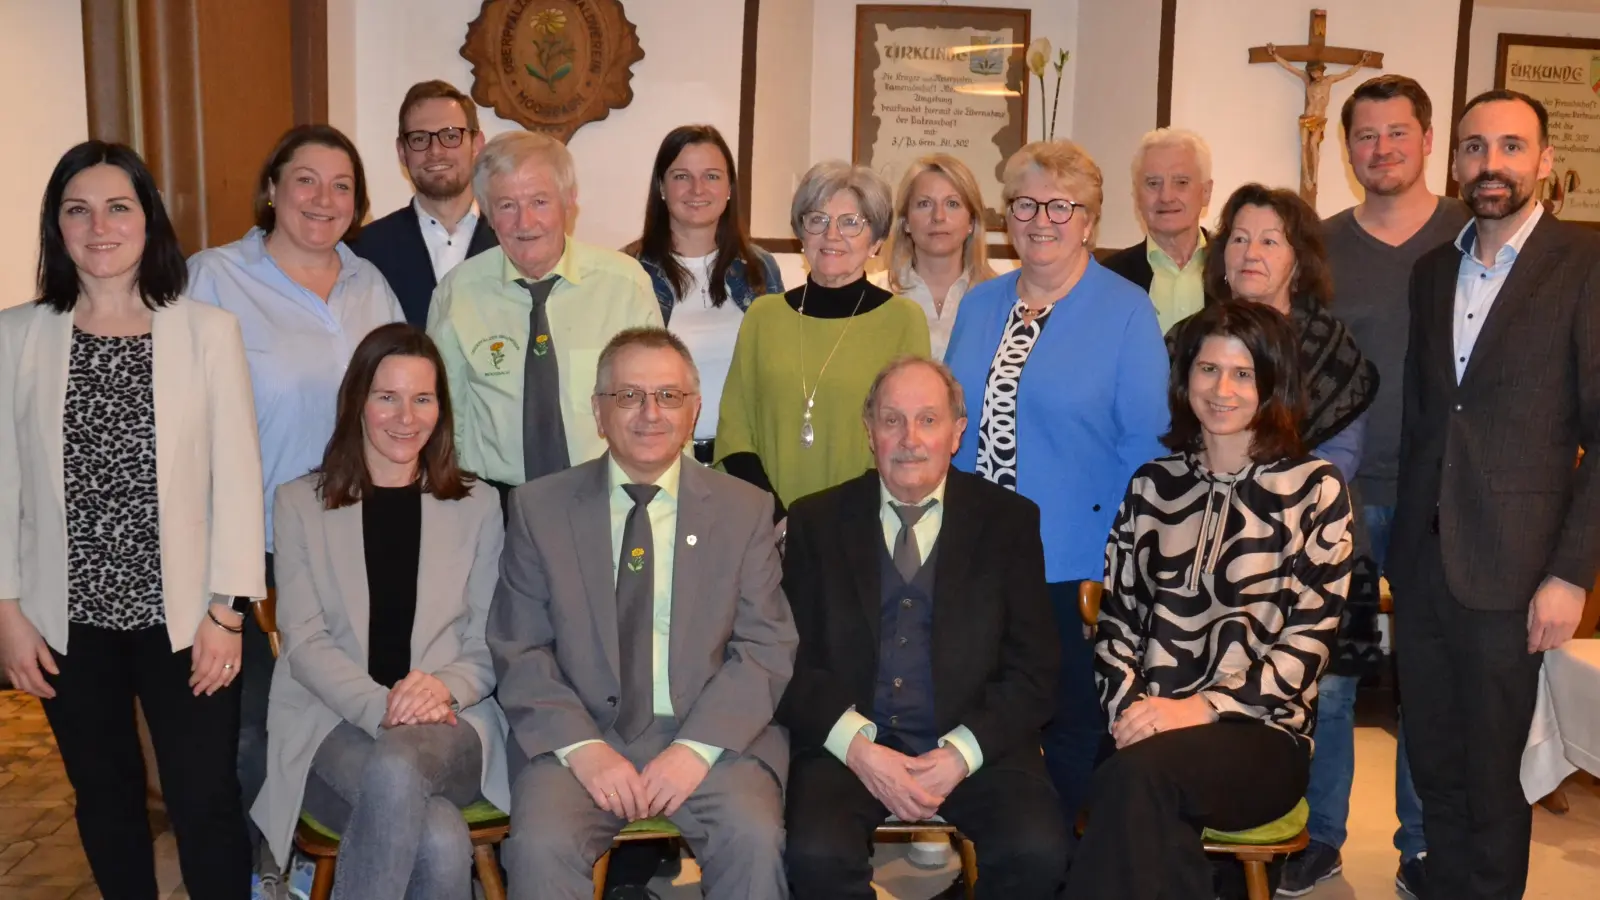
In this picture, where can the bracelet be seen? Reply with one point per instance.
(231, 629)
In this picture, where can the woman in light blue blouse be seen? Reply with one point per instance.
(1065, 368)
(304, 301)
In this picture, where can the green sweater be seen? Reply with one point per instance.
(763, 405)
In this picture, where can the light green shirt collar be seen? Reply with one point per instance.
(1159, 259)
(567, 267)
(926, 531)
(667, 481)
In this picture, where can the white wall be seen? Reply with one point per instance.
(690, 73)
(1488, 23)
(41, 57)
(1118, 53)
(1249, 112)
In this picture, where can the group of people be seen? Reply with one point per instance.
(600, 536)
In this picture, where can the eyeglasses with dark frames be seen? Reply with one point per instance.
(850, 224)
(1058, 212)
(633, 398)
(448, 138)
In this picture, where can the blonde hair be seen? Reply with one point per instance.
(1067, 164)
(901, 251)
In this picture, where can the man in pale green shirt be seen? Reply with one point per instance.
(641, 643)
(1171, 189)
(481, 314)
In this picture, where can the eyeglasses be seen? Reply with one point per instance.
(850, 224)
(633, 398)
(1059, 212)
(449, 138)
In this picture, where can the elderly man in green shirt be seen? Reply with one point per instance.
(1171, 189)
(520, 327)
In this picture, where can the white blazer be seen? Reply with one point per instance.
(208, 465)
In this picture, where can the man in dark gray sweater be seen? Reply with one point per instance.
(1372, 248)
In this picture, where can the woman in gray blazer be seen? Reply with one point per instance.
(130, 517)
(380, 723)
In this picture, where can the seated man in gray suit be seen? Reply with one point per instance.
(610, 568)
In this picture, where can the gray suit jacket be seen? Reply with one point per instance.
(323, 607)
(553, 625)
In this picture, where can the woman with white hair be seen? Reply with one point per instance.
(790, 421)
(937, 251)
(1072, 373)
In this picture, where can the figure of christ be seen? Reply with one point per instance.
(1319, 90)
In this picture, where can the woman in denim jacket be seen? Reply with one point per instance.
(699, 256)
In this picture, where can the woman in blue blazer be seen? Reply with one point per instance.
(1065, 365)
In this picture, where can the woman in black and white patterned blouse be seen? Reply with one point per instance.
(1226, 571)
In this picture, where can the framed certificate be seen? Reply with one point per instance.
(1564, 74)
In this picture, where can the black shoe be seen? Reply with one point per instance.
(1316, 863)
(630, 892)
(1412, 878)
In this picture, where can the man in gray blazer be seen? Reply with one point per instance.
(641, 643)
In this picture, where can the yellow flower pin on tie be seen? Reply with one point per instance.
(541, 345)
(636, 560)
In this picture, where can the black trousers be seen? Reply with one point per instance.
(1074, 736)
(1012, 816)
(255, 683)
(1470, 686)
(1151, 800)
(195, 740)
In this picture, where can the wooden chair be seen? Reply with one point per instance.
(1254, 849)
(889, 832)
(486, 825)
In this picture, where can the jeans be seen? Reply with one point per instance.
(396, 802)
(1333, 766)
(1073, 737)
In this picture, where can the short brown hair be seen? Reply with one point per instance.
(1388, 87)
(343, 479)
(648, 337)
(292, 140)
(1269, 337)
(1301, 227)
(437, 90)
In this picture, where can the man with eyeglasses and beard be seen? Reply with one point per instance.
(415, 245)
(1372, 248)
(1496, 532)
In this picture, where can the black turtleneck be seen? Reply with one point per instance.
(391, 526)
(840, 302)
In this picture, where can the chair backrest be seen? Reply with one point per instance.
(1089, 593)
(266, 613)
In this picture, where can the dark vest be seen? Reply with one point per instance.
(902, 704)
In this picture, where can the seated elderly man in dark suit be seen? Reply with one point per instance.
(641, 642)
(928, 657)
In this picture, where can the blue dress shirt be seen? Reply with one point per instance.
(298, 346)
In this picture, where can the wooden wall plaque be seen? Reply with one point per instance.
(552, 65)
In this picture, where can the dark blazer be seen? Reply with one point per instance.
(394, 244)
(1491, 460)
(1133, 263)
(995, 648)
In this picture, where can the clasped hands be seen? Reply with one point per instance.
(627, 793)
(1150, 715)
(419, 699)
(911, 787)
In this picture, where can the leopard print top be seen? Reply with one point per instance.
(109, 467)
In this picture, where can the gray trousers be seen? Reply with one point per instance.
(396, 803)
(733, 822)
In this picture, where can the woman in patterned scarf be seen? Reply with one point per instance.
(1226, 571)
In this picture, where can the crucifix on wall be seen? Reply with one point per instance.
(1316, 55)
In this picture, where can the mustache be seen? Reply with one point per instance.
(909, 456)
(1502, 177)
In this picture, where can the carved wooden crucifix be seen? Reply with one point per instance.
(1316, 54)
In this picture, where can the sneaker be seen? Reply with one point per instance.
(929, 854)
(1316, 863)
(1412, 878)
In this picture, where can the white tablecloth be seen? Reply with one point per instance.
(1565, 736)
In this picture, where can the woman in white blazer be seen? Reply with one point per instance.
(130, 517)
(380, 723)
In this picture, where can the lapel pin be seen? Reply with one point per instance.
(692, 540)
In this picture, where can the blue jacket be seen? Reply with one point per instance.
(740, 291)
(1091, 406)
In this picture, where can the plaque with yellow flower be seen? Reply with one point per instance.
(552, 65)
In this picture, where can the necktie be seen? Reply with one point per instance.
(544, 437)
(907, 558)
(636, 615)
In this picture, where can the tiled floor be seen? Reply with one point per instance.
(40, 858)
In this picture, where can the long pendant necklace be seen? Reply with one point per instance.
(808, 435)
